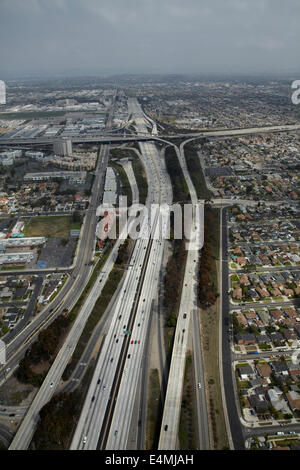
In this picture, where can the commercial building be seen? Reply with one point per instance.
(63, 147)
(73, 176)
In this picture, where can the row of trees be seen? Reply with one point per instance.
(122, 253)
(207, 291)
(57, 419)
(43, 349)
(173, 279)
(180, 189)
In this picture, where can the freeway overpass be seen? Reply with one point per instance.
(111, 139)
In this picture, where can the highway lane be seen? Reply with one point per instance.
(127, 165)
(188, 304)
(231, 404)
(128, 387)
(25, 432)
(93, 412)
(99, 407)
(123, 412)
(72, 289)
(203, 430)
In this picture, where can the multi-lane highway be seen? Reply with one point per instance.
(187, 313)
(145, 136)
(114, 384)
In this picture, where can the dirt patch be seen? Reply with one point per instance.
(14, 393)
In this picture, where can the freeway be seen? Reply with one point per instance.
(25, 432)
(110, 139)
(108, 390)
(188, 306)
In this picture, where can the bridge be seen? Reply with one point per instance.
(111, 139)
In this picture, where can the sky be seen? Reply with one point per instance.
(149, 36)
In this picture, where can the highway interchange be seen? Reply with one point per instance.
(108, 410)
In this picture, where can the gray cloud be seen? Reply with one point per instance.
(109, 36)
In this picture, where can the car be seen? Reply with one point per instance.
(199, 385)
(117, 340)
(111, 359)
(11, 415)
(93, 398)
(166, 427)
(98, 381)
(185, 285)
(51, 385)
(183, 330)
(116, 432)
(131, 341)
(128, 357)
(135, 342)
(184, 315)
(138, 341)
(104, 387)
(84, 439)
(139, 324)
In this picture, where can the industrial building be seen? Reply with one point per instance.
(63, 147)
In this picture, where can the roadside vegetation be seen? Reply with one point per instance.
(100, 306)
(179, 186)
(154, 411)
(209, 321)
(57, 419)
(208, 283)
(38, 358)
(187, 423)
(126, 188)
(42, 351)
(195, 170)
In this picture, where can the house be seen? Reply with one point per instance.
(241, 260)
(280, 367)
(237, 293)
(294, 369)
(244, 280)
(289, 334)
(241, 319)
(263, 339)
(277, 338)
(253, 294)
(277, 402)
(246, 372)
(245, 338)
(258, 403)
(294, 400)
(264, 370)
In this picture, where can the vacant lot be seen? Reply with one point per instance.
(48, 226)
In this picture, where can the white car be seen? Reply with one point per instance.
(84, 439)
(199, 385)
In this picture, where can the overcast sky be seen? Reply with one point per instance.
(155, 36)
